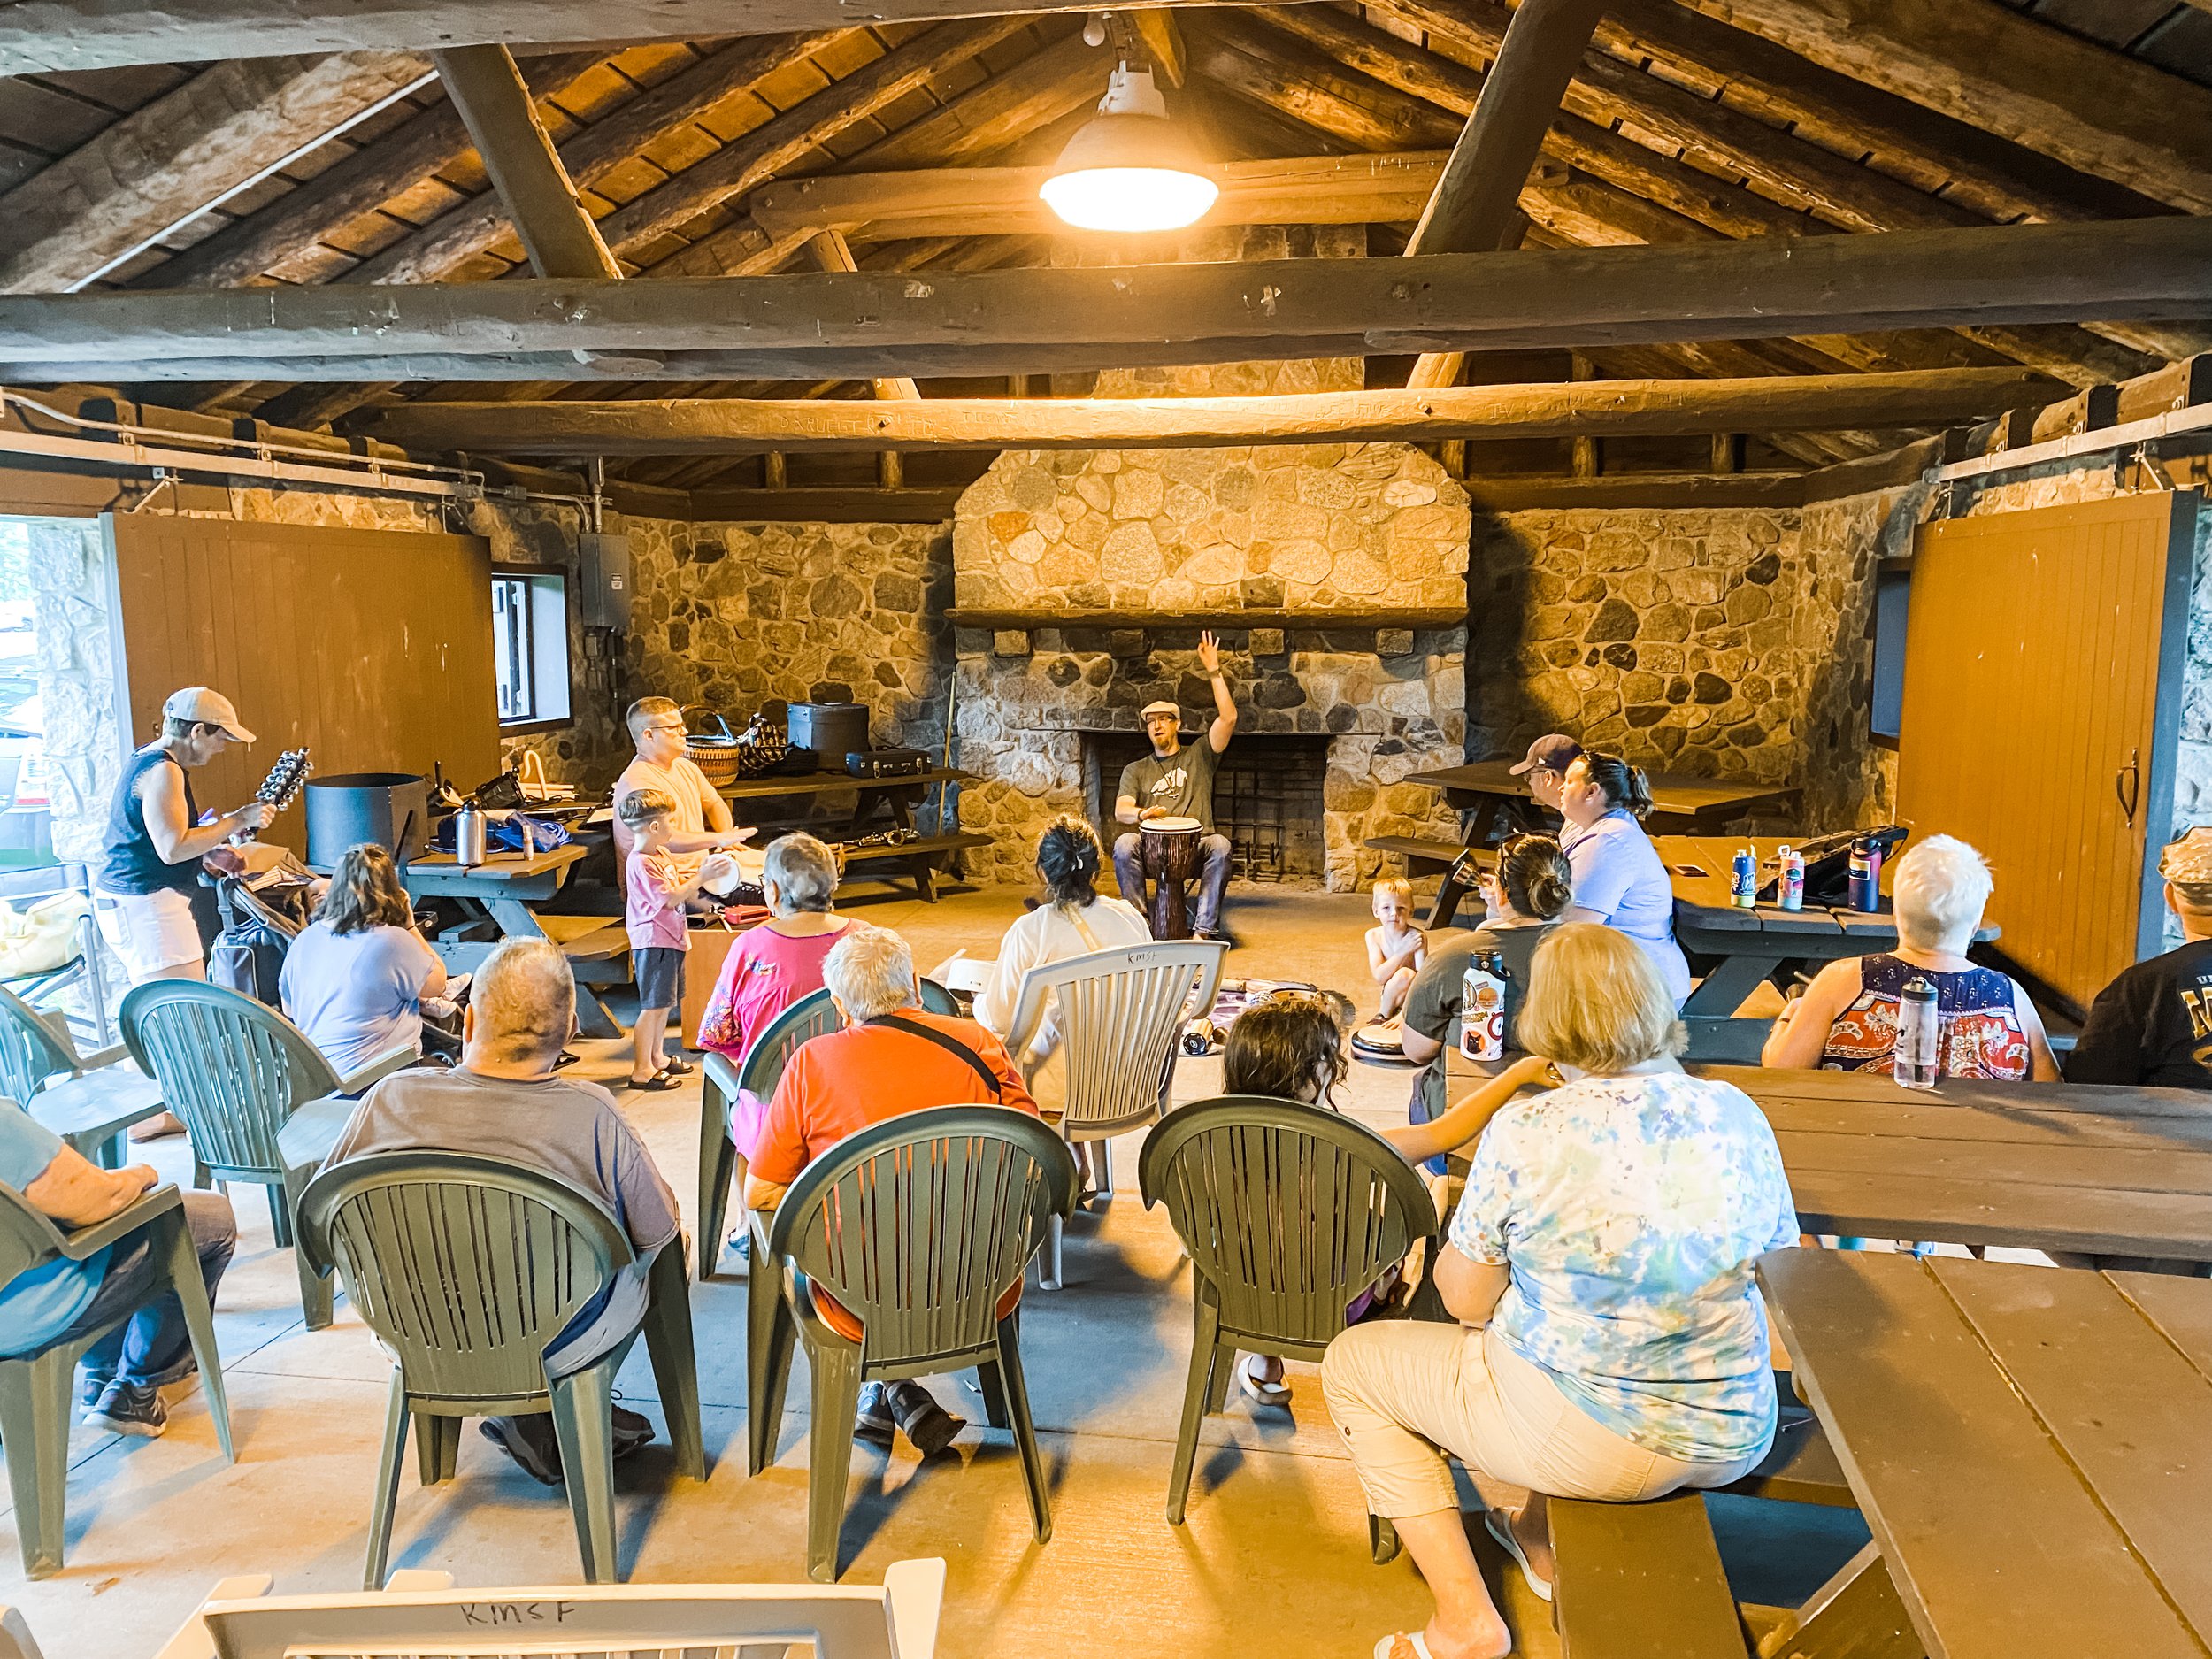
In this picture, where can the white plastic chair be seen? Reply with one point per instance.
(16, 1640)
(422, 1614)
(1121, 1014)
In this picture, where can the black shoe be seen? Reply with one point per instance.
(632, 1431)
(679, 1067)
(927, 1424)
(875, 1423)
(130, 1408)
(529, 1440)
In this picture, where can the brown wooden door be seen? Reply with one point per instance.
(2043, 660)
(373, 647)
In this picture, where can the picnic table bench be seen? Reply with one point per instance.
(882, 804)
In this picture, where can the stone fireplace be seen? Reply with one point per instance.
(1082, 580)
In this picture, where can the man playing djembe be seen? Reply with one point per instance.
(1176, 781)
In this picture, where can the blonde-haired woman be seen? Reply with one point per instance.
(1610, 1342)
(355, 979)
(1847, 1020)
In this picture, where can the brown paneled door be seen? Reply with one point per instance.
(373, 647)
(2043, 666)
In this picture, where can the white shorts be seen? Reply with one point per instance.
(148, 932)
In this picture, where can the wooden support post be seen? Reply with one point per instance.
(557, 233)
(1728, 452)
(1155, 27)
(1477, 200)
(1588, 458)
(832, 252)
(774, 474)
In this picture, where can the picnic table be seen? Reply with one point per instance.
(1738, 950)
(2101, 1170)
(1487, 789)
(883, 803)
(2029, 1448)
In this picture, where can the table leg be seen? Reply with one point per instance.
(516, 921)
(925, 877)
(1447, 898)
(1723, 991)
(1858, 1613)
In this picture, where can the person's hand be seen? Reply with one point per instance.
(147, 1176)
(1151, 812)
(736, 837)
(1210, 652)
(252, 816)
(1533, 1069)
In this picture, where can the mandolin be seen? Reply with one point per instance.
(282, 785)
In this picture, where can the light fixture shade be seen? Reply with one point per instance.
(1130, 168)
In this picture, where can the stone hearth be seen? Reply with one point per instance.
(1312, 531)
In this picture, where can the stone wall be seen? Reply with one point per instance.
(1312, 529)
(73, 613)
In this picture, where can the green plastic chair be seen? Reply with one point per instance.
(937, 1000)
(35, 1399)
(917, 1226)
(1287, 1213)
(87, 1100)
(516, 1253)
(809, 1017)
(256, 1097)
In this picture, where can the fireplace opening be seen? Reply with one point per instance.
(1267, 797)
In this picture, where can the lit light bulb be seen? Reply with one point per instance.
(1129, 168)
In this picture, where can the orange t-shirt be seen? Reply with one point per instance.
(842, 1081)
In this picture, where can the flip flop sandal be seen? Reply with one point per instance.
(1266, 1393)
(659, 1083)
(1493, 1522)
(679, 1068)
(1413, 1638)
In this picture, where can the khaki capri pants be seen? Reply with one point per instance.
(1404, 1392)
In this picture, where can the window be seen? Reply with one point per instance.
(1885, 699)
(530, 646)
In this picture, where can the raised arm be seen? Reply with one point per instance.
(1225, 726)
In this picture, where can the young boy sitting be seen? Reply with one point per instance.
(1396, 948)
(656, 886)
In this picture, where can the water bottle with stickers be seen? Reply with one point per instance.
(1482, 1008)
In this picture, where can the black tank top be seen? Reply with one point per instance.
(132, 864)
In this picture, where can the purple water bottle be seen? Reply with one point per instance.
(1866, 874)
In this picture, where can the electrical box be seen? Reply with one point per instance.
(604, 601)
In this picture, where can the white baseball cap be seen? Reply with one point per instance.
(208, 708)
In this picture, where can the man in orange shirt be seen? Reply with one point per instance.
(891, 1058)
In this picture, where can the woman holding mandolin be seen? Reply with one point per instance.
(149, 871)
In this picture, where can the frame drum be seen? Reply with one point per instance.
(1170, 851)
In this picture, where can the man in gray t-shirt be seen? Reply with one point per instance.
(504, 1102)
(1177, 781)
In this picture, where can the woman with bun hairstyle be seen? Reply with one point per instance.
(1618, 879)
(1074, 919)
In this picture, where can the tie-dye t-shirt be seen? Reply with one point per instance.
(1629, 1210)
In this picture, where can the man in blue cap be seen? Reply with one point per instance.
(1545, 767)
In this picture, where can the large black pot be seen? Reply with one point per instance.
(352, 807)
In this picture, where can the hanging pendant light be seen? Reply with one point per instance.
(1130, 168)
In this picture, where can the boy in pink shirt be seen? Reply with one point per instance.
(655, 888)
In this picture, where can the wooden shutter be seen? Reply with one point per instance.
(373, 647)
(2043, 664)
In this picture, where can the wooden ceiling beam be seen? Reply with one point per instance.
(179, 155)
(1984, 63)
(590, 155)
(759, 155)
(1003, 201)
(424, 144)
(37, 36)
(1065, 76)
(1587, 408)
(1155, 26)
(1015, 321)
(526, 170)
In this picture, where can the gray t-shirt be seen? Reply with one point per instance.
(565, 1128)
(1181, 785)
(1433, 1003)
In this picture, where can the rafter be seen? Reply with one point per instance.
(526, 170)
(1017, 321)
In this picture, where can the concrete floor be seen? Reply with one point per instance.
(1273, 1559)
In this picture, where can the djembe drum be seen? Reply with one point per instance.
(1171, 864)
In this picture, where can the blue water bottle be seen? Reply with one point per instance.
(1866, 875)
(1743, 885)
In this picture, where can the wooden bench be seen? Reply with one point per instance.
(918, 858)
(1641, 1581)
(1428, 858)
(1801, 1467)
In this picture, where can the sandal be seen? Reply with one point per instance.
(1265, 1394)
(1413, 1638)
(679, 1068)
(659, 1083)
(1495, 1523)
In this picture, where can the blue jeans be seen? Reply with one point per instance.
(1213, 876)
(153, 1346)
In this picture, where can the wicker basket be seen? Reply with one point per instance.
(718, 757)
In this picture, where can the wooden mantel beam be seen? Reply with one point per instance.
(41, 36)
(999, 322)
(1587, 408)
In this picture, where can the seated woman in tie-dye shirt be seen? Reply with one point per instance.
(1611, 1344)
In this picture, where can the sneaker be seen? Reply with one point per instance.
(529, 1442)
(129, 1409)
(94, 1387)
(927, 1424)
(874, 1424)
(633, 1430)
